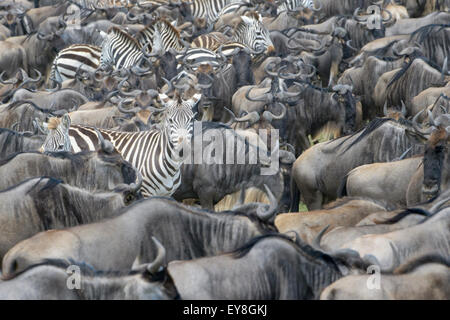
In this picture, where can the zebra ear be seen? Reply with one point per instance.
(163, 97)
(65, 121)
(246, 20)
(40, 126)
(196, 98)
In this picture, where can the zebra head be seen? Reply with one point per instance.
(252, 33)
(57, 131)
(179, 118)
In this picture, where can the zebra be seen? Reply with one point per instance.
(57, 131)
(77, 57)
(160, 35)
(252, 33)
(210, 9)
(120, 51)
(292, 5)
(156, 153)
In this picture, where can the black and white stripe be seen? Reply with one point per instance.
(295, 4)
(82, 57)
(253, 34)
(161, 35)
(210, 9)
(120, 50)
(155, 153)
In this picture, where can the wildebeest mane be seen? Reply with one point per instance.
(300, 246)
(35, 106)
(406, 213)
(50, 184)
(405, 68)
(343, 201)
(415, 262)
(363, 132)
(421, 34)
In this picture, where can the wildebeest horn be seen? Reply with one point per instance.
(403, 109)
(169, 85)
(357, 17)
(417, 127)
(154, 266)
(269, 72)
(233, 117)
(269, 116)
(350, 46)
(134, 93)
(342, 88)
(123, 110)
(13, 81)
(287, 157)
(105, 145)
(431, 119)
(267, 97)
(252, 117)
(313, 8)
(390, 16)
(316, 242)
(444, 69)
(385, 112)
(266, 215)
(403, 155)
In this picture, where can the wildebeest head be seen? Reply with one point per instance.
(242, 62)
(344, 96)
(435, 162)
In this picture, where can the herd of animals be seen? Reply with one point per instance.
(99, 105)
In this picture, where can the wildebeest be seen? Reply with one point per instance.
(117, 243)
(372, 180)
(343, 212)
(13, 141)
(49, 280)
(44, 203)
(319, 171)
(394, 248)
(424, 277)
(87, 170)
(433, 176)
(267, 267)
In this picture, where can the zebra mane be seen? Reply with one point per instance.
(145, 36)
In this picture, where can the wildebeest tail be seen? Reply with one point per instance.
(295, 196)
(342, 190)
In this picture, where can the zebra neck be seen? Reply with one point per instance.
(172, 153)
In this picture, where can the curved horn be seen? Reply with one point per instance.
(313, 8)
(252, 117)
(106, 145)
(417, 127)
(269, 116)
(154, 266)
(267, 97)
(267, 214)
(385, 112)
(357, 17)
(121, 108)
(350, 46)
(390, 16)
(403, 111)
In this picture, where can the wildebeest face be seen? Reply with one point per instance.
(432, 170)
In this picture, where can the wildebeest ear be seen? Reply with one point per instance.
(40, 126)
(120, 120)
(65, 121)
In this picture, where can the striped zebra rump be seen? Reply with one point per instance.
(82, 57)
(211, 41)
